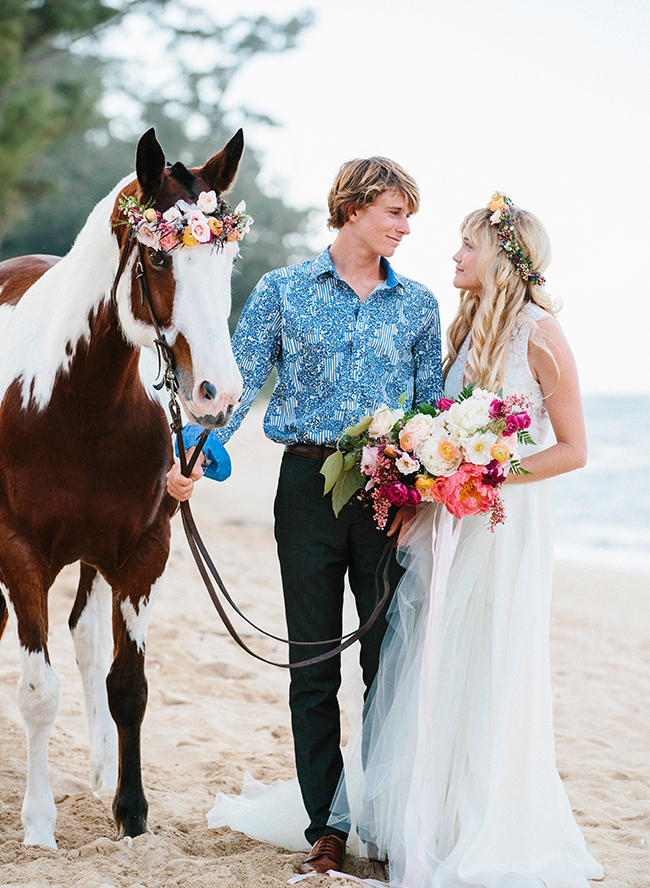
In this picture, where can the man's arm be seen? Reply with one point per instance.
(427, 355)
(256, 345)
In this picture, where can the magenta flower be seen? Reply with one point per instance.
(396, 493)
(444, 403)
(523, 420)
(497, 409)
(511, 425)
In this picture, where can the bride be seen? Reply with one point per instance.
(459, 785)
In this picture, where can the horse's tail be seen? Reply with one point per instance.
(3, 614)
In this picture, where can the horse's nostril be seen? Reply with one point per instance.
(209, 391)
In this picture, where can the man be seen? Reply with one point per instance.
(346, 334)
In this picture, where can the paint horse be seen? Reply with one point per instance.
(85, 446)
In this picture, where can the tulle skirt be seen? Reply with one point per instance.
(452, 774)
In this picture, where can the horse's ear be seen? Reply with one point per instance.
(149, 164)
(221, 170)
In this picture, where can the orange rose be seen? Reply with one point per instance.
(497, 203)
(216, 225)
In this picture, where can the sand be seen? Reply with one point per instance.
(214, 712)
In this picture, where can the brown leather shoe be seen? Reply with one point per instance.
(328, 853)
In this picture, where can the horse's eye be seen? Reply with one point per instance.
(158, 258)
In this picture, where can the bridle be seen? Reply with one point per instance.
(199, 551)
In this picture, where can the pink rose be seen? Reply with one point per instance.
(396, 493)
(511, 425)
(147, 235)
(444, 403)
(207, 202)
(168, 237)
(199, 227)
(523, 420)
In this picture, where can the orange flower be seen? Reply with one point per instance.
(188, 238)
(500, 451)
(447, 449)
(497, 203)
(216, 225)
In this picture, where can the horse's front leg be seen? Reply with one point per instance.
(127, 685)
(90, 625)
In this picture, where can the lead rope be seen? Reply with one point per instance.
(199, 551)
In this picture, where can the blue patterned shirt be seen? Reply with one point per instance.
(337, 358)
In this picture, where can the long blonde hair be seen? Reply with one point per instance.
(491, 316)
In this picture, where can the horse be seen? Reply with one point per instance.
(85, 444)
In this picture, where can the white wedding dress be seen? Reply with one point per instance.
(460, 786)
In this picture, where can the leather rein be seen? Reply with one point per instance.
(199, 551)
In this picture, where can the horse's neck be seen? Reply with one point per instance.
(54, 316)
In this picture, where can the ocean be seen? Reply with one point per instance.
(602, 512)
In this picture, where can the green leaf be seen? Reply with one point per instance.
(349, 460)
(467, 392)
(359, 428)
(346, 486)
(401, 399)
(331, 469)
(428, 410)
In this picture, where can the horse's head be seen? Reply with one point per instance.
(187, 241)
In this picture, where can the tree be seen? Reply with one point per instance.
(75, 170)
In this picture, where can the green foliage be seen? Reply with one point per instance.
(59, 155)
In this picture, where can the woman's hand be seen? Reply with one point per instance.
(178, 485)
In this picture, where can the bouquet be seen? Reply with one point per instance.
(457, 453)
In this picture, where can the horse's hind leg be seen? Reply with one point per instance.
(90, 625)
(38, 700)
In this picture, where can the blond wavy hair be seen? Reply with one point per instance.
(492, 315)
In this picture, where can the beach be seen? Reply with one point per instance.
(214, 713)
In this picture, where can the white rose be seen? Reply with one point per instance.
(383, 421)
(171, 214)
(207, 202)
(420, 425)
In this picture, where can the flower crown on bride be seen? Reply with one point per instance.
(502, 215)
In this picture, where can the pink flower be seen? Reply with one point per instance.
(464, 492)
(409, 441)
(147, 235)
(497, 409)
(199, 227)
(168, 236)
(369, 458)
(523, 420)
(511, 425)
(396, 493)
(444, 403)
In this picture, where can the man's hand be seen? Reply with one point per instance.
(405, 515)
(178, 485)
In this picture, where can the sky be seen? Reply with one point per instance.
(547, 100)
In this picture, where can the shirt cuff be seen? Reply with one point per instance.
(218, 467)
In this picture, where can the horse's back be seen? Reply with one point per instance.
(17, 275)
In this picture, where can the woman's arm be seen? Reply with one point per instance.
(558, 377)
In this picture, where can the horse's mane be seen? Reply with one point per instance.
(44, 330)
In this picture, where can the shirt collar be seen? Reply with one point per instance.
(322, 266)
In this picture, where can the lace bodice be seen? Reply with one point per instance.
(518, 380)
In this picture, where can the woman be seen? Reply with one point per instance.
(459, 785)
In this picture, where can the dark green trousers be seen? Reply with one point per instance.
(316, 550)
